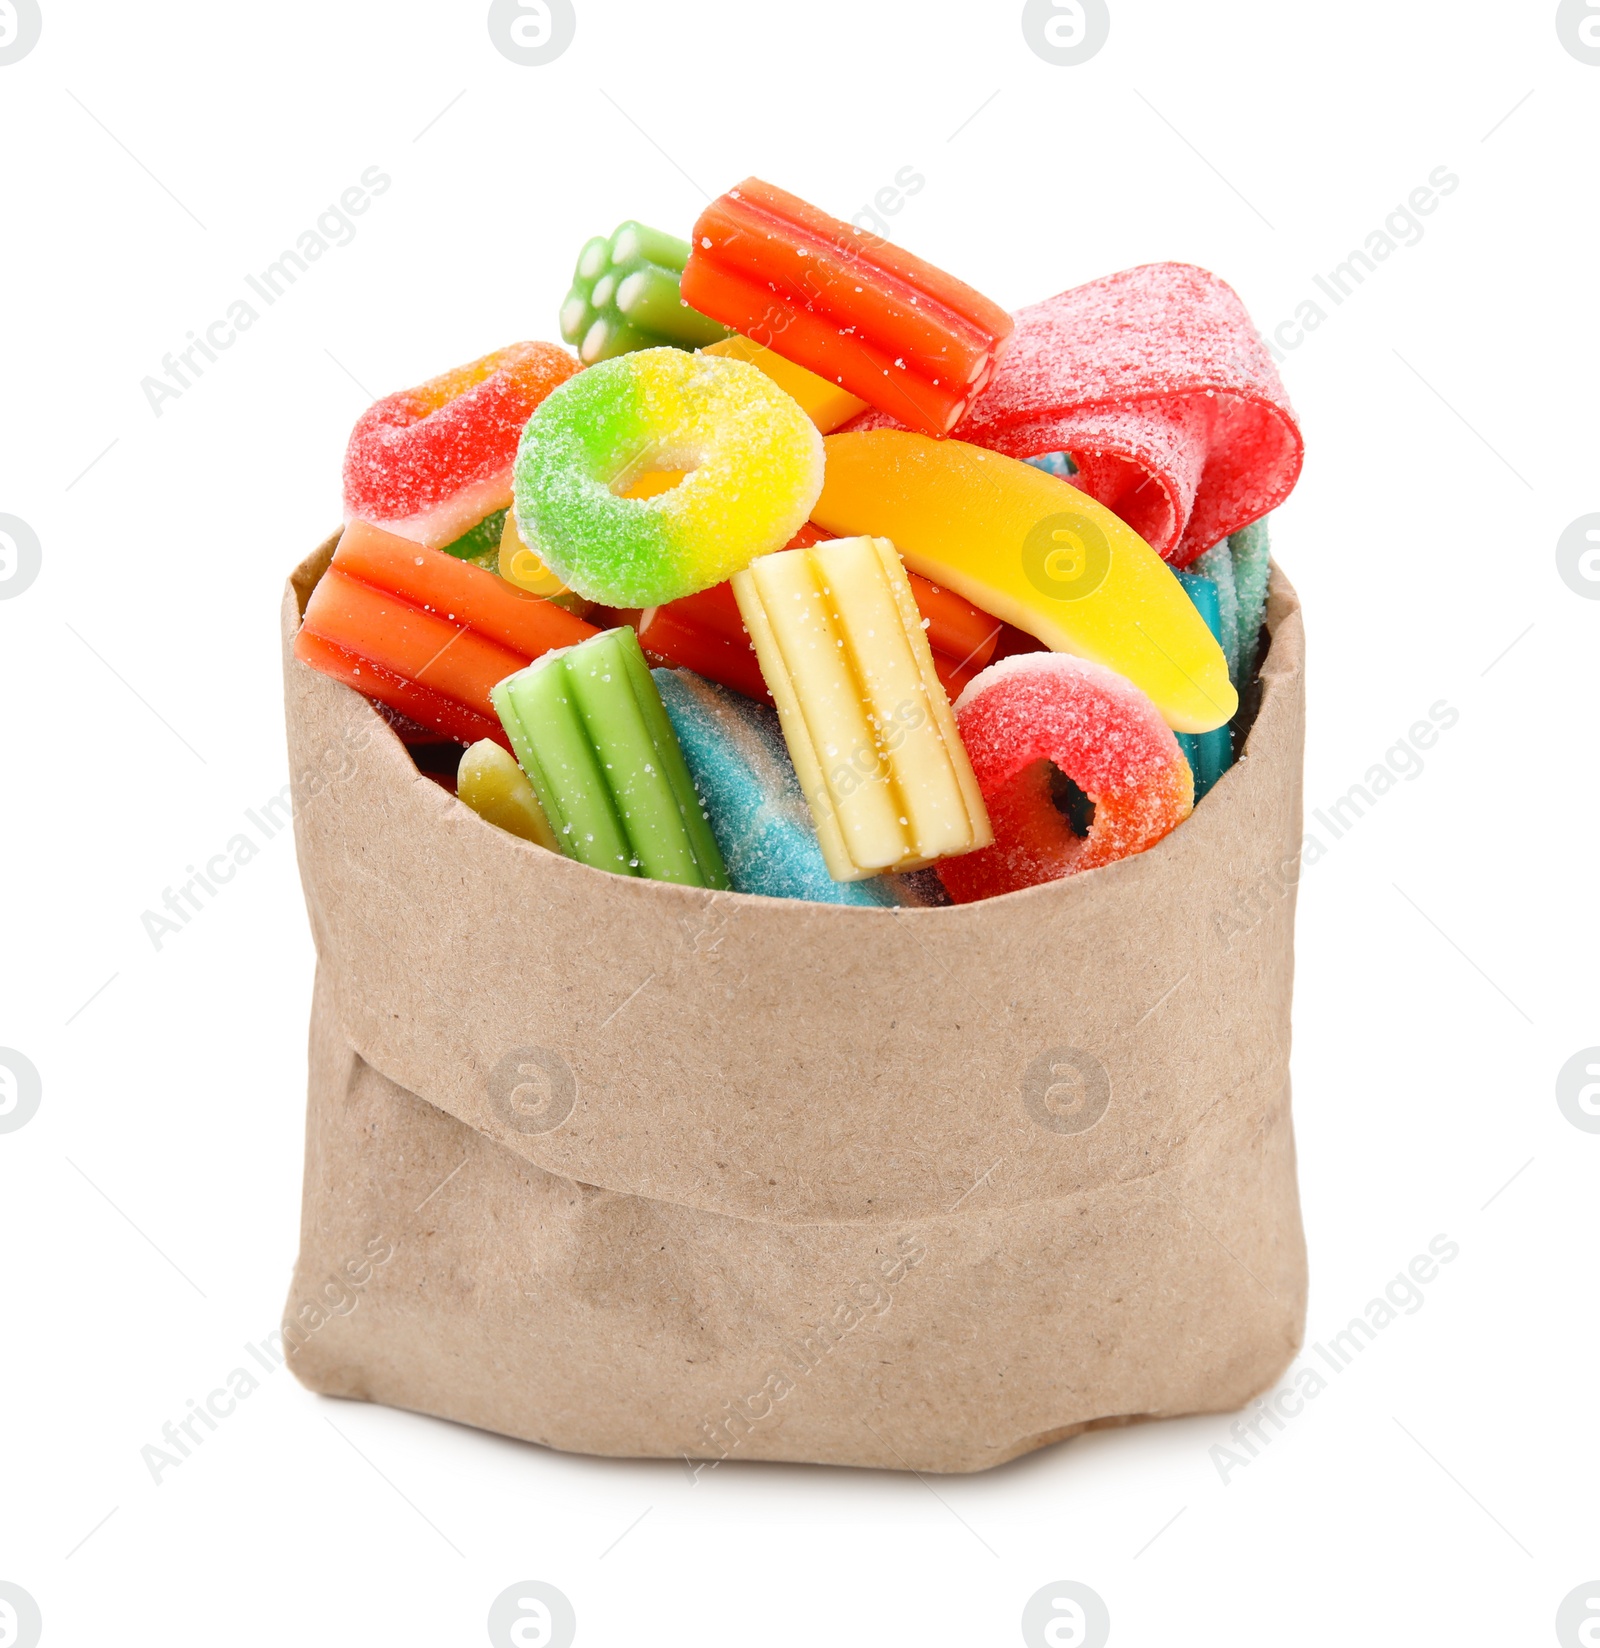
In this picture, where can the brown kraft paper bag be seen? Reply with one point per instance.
(636, 1169)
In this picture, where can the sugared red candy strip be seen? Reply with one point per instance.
(845, 304)
(1036, 552)
(868, 726)
(425, 633)
(1159, 386)
(754, 463)
(1077, 769)
(625, 296)
(589, 730)
(491, 783)
(431, 462)
(743, 773)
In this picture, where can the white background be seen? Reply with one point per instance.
(1443, 1489)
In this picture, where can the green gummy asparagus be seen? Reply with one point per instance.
(624, 297)
(590, 731)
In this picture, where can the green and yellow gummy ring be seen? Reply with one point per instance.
(752, 463)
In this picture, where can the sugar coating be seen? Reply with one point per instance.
(1217, 565)
(1038, 709)
(1161, 389)
(754, 462)
(1210, 754)
(741, 768)
(411, 451)
(1251, 551)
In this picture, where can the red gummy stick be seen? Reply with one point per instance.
(424, 633)
(1159, 386)
(855, 309)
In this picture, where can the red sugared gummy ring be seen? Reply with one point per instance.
(1031, 715)
(430, 462)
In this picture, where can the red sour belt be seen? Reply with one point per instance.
(1159, 386)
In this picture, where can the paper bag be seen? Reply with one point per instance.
(637, 1169)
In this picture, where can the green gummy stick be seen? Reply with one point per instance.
(607, 339)
(589, 729)
(593, 261)
(625, 297)
(639, 751)
(577, 315)
(635, 242)
(541, 717)
(648, 299)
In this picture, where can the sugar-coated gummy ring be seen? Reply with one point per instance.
(430, 462)
(754, 462)
(1037, 717)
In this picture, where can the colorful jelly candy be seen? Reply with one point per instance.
(848, 306)
(868, 726)
(1036, 552)
(424, 633)
(705, 633)
(625, 297)
(754, 462)
(589, 730)
(1209, 754)
(743, 773)
(431, 462)
(491, 783)
(1077, 769)
(1159, 386)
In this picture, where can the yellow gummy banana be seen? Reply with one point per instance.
(841, 645)
(1037, 552)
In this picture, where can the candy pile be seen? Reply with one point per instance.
(819, 569)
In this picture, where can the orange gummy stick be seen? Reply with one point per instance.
(426, 633)
(863, 313)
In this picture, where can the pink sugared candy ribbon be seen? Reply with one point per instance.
(1159, 386)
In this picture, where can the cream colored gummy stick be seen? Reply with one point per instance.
(841, 644)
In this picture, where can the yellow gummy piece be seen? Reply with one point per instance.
(826, 404)
(1036, 552)
(520, 566)
(841, 644)
(491, 783)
